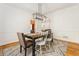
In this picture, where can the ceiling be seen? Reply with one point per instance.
(45, 7)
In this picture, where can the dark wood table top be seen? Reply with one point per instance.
(34, 35)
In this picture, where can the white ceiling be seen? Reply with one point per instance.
(51, 7)
(46, 7)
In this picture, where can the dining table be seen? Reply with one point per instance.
(34, 36)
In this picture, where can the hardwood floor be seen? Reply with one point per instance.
(57, 49)
(73, 49)
(1, 51)
(3, 47)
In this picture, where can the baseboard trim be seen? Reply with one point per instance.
(9, 45)
(66, 41)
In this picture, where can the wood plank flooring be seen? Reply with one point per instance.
(57, 49)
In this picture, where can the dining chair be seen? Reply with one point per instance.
(24, 43)
(41, 42)
(49, 40)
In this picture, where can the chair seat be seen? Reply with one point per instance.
(40, 43)
(49, 39)
(38, 40)
(29, 42)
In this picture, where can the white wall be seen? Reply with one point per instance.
(13, 20)
(65, 22)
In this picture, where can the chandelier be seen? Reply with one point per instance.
(38, 15)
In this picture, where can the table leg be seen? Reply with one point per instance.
(33, 48)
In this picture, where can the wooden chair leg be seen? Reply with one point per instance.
(45, 47)
(20, 48)
(40, 50)
(25, 51)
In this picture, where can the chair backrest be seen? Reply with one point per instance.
(51, 35)
(21, 39)
(45, 37)
(46, 32)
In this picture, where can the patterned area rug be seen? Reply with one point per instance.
(58, 48)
